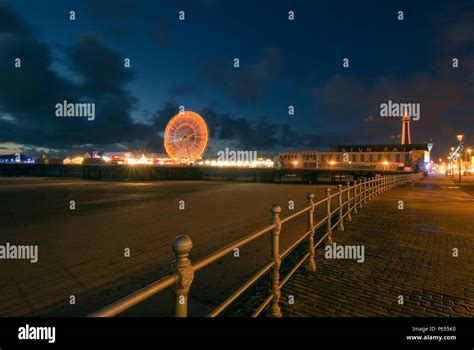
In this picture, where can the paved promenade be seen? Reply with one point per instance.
(408, 253)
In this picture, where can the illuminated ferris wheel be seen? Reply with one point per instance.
(186, 136)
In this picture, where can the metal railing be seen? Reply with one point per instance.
(350, 198)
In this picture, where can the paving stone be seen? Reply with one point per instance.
(407, 252)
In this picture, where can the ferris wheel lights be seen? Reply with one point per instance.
(186, 136)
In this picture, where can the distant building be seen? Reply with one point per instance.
(77, 159)
(404, 156)
(377, 157)
(45, 159)
(117, 157)
(16, 158)
(94, 161)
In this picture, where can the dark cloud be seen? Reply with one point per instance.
(249, 135)
(101, 79)
(28, 95)
(444, 103)
(102, 69)
(246, 83)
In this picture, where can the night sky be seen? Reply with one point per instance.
(190, 63)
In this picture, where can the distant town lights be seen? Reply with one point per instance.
(260, 163)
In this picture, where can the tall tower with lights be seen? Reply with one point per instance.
(406, 139)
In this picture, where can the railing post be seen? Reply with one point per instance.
(365, 190)
(355, 198)
(360, 194)
(369, 189)
(183, 269)
(329, 216)
(376, 185)
(311, 266)
(349, 217)
(340, 226)
(275, 310)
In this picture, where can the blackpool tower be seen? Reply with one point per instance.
(406, 139)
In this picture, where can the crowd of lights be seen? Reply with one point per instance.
(18, 161)
(140, 161)
(261, 163)
(332, 163)
(129, 159)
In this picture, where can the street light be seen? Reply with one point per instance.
(469, 161)
(451, 159)
(460, 138)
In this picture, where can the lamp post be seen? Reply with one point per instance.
(469, 162)
(451, 157)
(461, 146)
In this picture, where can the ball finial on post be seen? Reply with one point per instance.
(276, 210)
(184, 271)
(182, 245)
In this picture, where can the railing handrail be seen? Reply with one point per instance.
(183, 274)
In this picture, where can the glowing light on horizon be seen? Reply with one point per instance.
(261, 163)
